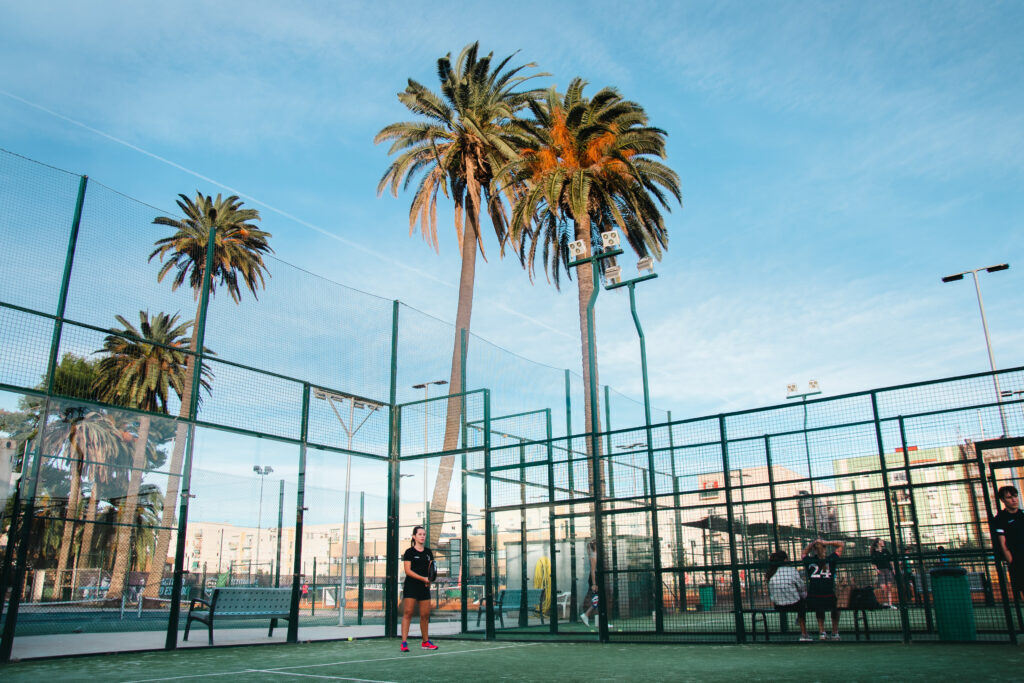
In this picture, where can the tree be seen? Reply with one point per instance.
(239, 247)
(139, 368)
(462, 136)
(588, 162)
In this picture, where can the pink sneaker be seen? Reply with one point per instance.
(405, 646)
(427, 645)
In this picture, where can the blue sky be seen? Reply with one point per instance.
(836, 160)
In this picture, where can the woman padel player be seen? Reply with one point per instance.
(418, 562)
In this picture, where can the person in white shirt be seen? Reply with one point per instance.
(787, 590)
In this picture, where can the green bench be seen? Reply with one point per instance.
(511, 600)
(237, 603)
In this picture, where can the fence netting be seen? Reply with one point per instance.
(162, 446)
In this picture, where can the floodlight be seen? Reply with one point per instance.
(646, 263)
(790, 388)
(953, 278)
(813, 385)
(610, 239)
(613, 274)
(577, 249)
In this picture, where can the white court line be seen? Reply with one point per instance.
(332, 678)
(347, 661)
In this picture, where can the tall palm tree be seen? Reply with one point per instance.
(239, 247)
(463, 134)
(591, 163)
(138, 369)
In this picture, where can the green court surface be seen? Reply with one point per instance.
(380, 660)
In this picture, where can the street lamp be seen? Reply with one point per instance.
(984, 327)
(425, 386)
(262, 472)
(793, 392)
(355, 402)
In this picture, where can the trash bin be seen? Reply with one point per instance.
(951, 596)
(707, 597)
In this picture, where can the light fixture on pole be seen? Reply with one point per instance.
(355, 403)
(793, 392)
(262, 472)
(984, 327)
(614, 282)
(425, 386)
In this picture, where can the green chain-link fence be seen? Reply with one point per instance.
(316, 394)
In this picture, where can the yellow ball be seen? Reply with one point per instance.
(350, 638)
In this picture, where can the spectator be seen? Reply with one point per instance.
(1008, 528)
(821, 583)
(787, 591)
(882, 559)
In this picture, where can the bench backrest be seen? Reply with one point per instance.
(252, 600)
(514, 596)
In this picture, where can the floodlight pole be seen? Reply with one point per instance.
(595, 442)
(425, 386)
(807, 455)
(350, 430)
(262, 472)
(659, 610)
(984, 327)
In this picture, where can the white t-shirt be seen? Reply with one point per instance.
(786, 587)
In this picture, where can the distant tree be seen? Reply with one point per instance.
(592, 162)
(139, 369)
(461, 137)
(239, 247)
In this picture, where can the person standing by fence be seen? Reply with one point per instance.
(418, 560)
(821, 582)
(1008, 529)
(882, 559)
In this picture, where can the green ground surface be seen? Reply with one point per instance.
(380, 660)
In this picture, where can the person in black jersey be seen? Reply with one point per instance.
(882, 559)
(417, 559)
(1008, 529)
(821, 582)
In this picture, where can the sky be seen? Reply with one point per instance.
(836, 160)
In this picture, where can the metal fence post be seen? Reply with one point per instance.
(901, 589)
(28, 514)
(300, 510)
(394, 446)
(737, 595)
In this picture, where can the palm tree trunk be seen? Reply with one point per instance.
(453, 415)
(74, 497)
(126, 512)
(85, 549)
(585, 287)
(163, 538)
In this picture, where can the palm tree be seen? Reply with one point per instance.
(588, 162)
(239, 247)
(138, 369)
(463, 135)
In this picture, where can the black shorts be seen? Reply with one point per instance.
(798, 607)
(1016, 571)
(415, 589)
(820, 604)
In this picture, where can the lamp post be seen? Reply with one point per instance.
(355, 402)
(612, 273)
(812, 390)
(425, 386)
(262, 473)
(984, 327)
(579, 250)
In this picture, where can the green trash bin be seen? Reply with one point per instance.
(707, 597)
(954, 610)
